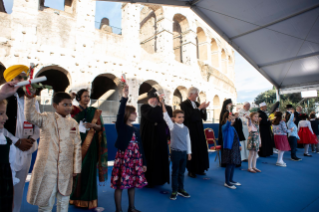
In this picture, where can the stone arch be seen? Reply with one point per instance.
(148, 27)
(224, 61)
(216, 109)
(215, 53)
(201, 44)
(2, 69)
(145, 87)
(180, 25)
(57, 77)
(179, 95)
(105, 96)
(202, 97)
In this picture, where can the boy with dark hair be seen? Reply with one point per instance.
(315, 128)
(180, 150)
(59, 156)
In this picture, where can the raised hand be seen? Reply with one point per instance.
(125, 91)
(161, 99)
(7, 90)
(202, 106)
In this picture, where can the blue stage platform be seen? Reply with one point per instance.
(293, 188)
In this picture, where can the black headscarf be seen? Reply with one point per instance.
(152, 93)
(274, 107)
(225, 103)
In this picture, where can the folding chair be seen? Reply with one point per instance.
(210, 139)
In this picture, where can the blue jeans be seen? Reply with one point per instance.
(179, 159)
(293, 145)
(229, 173)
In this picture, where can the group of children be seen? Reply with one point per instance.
(60, 130)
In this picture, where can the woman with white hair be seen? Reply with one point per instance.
(243, 114)
(195, 113)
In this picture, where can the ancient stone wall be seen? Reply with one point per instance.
(168, 48)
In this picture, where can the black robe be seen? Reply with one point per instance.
(238, 125)
(266, 135)
(193, 120)
(297, 118)
(154, 139)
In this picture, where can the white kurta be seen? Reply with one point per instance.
(244, 152)
(59, 154)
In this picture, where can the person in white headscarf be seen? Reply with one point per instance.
(243, 114)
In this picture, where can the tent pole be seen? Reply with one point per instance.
(277, 95)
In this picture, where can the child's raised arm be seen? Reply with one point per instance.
(166, 117)
(31, 113)
(120, 115)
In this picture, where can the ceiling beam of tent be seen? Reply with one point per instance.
(289, 59)
(237, 48)
(298, 88)
(276, 22)
(160, 2)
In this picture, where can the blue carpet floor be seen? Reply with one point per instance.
(293, 188)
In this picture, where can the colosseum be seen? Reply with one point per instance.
(169, 48)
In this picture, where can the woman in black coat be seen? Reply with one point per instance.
(225, 108)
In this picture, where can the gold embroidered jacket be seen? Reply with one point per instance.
(58, 157)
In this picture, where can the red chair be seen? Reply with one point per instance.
(210, 139)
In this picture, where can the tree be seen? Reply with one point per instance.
(295, 99)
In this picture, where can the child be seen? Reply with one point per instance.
(7, 158)
(130, 164)
(180, 150)
(232, 148)
(306, 134)
(59, 156)
(253, 141)
(315, 129)
(293, 134)
(280, 137)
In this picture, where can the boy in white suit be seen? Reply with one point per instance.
(59, 156)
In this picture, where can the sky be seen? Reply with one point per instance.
(248, 81)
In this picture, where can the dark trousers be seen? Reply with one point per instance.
(179, 159)
(229, 173)
(293, 145)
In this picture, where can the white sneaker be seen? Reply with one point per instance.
(281, 164)
(232, 187)
(236, 184)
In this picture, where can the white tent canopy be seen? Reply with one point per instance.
(280, 38)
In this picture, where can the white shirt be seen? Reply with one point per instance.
(194, 105)
(12, 154)
(170, 125)
(242, 115)
(305, 123)
(22, 156)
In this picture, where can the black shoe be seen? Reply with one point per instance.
(296, 159)
(183, 193)
(173, 196)
(192, 175)
(203, 173)
(133, 210)
(149, 186)
(307, 155)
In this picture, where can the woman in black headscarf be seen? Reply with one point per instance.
(226, 107)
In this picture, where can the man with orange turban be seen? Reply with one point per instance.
(21, 129)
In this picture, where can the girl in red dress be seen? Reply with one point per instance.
(306, 134)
